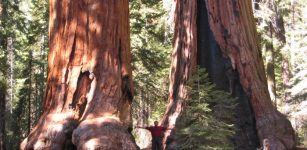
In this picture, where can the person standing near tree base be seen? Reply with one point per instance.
(156, 134)
(265, 145)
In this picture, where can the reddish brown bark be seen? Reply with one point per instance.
(183, 61)
(234, 29)
(89, 86)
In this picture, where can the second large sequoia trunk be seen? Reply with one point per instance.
(89, 87)
(233, 26)
(234, 30)
(220, 72)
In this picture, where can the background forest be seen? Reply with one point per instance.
(281, 24)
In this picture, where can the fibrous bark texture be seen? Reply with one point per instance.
(89, 87)
(225, 78)
(234, 29)
(183, 62)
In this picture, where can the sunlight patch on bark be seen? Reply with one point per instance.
(39, 144)
(91, 144)
(57, 117)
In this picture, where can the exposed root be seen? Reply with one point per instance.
(103, 133)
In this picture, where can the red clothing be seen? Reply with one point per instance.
(156, 131)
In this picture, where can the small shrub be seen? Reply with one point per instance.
(208, 118)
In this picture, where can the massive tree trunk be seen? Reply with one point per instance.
(183, 62)
(89, 87)
(2, 117)
(225, 78)
(234, 29)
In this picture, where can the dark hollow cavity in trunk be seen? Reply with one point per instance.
(222, 74)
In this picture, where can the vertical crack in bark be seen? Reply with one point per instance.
(89, 95)
(76, 107)
(125, 101)
(79, 100)
(69, 71)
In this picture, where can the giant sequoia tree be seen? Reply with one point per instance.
(234, 30)
(183, 60)
(89, 87)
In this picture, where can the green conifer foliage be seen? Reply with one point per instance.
(290, 48)
(207, 122)
(26, 23)
(151, 47)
